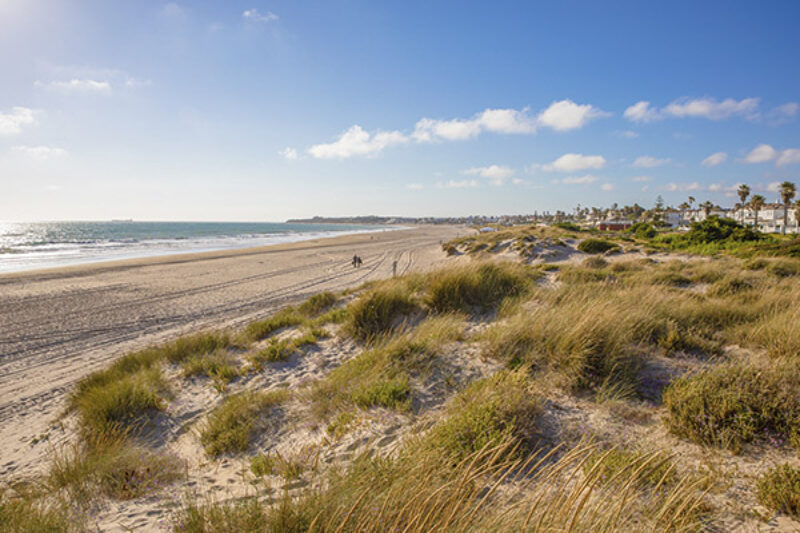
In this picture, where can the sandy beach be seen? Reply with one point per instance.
(60, 324)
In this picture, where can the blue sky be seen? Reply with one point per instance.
(267, 110)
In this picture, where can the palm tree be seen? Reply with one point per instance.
(707, 207)
(788, 191)
(743, 191)
(756, 203)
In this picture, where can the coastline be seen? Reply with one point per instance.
(140, 254)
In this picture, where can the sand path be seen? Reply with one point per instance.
(58, 325)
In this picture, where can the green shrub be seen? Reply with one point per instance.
(715, 229)
(379, 312)
(477, 287)
(643, 230)
(231, 425)
(596, 246)
(779, 489)
(486, 413)
(391, 393)
(733, 404)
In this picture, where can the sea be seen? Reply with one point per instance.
(34, 245)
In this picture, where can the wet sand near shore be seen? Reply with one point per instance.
(57, 325)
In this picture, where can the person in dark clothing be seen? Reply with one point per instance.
(355, 261)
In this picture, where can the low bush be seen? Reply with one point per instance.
(379, 312)
(477, 287)
(390, 393)
(779, 489)
(733, 404)
(502, 408)
(121, 404)
(643, 230)
(596, 246)
(231, 425)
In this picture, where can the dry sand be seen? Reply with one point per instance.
(60, 324)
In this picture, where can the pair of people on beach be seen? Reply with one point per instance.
(357, 261)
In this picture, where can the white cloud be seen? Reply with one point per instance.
(627, 134)
(518, 181)
(289, 153)
(40, 152)
(694, 186)
(789, 157)
(463, 184)
(647, 161)
(567, 115)
(783, 113)
(76, 85)
(415, 186)
(496, 173)
(694, 107)
(172, 9)
(573, 162)
(761, 154)
(429, 130)
(255, 15)
(607, 187)
(507, 121)
(641, 179)
(13, 122)
(357, 142)
(711, 109)
(641, 112)
(775, 186)
(714, 159)
(579, 180)
(561, 116)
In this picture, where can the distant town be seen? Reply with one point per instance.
(781, 216)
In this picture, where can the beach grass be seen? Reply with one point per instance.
(232, 424)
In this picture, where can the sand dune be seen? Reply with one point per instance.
(60, 324)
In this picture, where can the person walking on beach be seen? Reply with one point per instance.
(355, 261)
(360, 261)
(394, 268)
